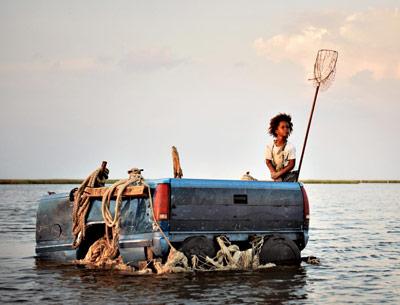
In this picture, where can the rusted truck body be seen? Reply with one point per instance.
(184, 208)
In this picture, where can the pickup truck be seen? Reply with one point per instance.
(191, 212)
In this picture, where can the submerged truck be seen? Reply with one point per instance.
(191, 213)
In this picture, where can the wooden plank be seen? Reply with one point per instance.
(130, 191)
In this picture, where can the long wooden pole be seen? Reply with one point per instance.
(308, 130)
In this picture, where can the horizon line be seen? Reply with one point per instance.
(306, 181)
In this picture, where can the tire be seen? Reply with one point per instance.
(280, 251)
(200, 246)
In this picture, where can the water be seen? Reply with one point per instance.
(355, 231)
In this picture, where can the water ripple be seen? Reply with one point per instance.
(354, 231)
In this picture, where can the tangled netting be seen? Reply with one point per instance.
(325, 68)
(229, 257)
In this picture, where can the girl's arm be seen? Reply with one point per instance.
(285, 170)
(270, 167)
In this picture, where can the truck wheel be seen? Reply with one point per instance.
(280, 251)
(200, 246)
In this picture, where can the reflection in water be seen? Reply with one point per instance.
(277, 285)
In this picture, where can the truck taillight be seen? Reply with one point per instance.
(161, 202)
(306, 207)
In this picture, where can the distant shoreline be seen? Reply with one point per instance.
(79, 181)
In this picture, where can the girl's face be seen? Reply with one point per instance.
(283, 129)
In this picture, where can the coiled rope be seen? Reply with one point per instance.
(82, 203)
(105, 251)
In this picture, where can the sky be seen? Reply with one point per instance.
(123, 81)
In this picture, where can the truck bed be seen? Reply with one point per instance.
(232, 205)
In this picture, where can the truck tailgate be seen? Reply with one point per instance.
(234, 205)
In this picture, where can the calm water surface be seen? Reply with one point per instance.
(355, 231)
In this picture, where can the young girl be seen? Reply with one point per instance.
(280, 155)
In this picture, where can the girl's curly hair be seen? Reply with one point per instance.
(274, 123)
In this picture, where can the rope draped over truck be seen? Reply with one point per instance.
(82, 203)
(104, 251)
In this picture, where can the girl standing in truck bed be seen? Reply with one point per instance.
(280, 155)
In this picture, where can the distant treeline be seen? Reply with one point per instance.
(46, 181)
(79, 181)
(316, 181)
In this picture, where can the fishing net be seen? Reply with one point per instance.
(324, 75)
(229, 257)
(325, 68)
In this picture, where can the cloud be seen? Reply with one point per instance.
(68, 65)
(148, 60)
(366, 41)
(84, 64)
(144, 60)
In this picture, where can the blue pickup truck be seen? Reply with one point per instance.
(191, 212)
